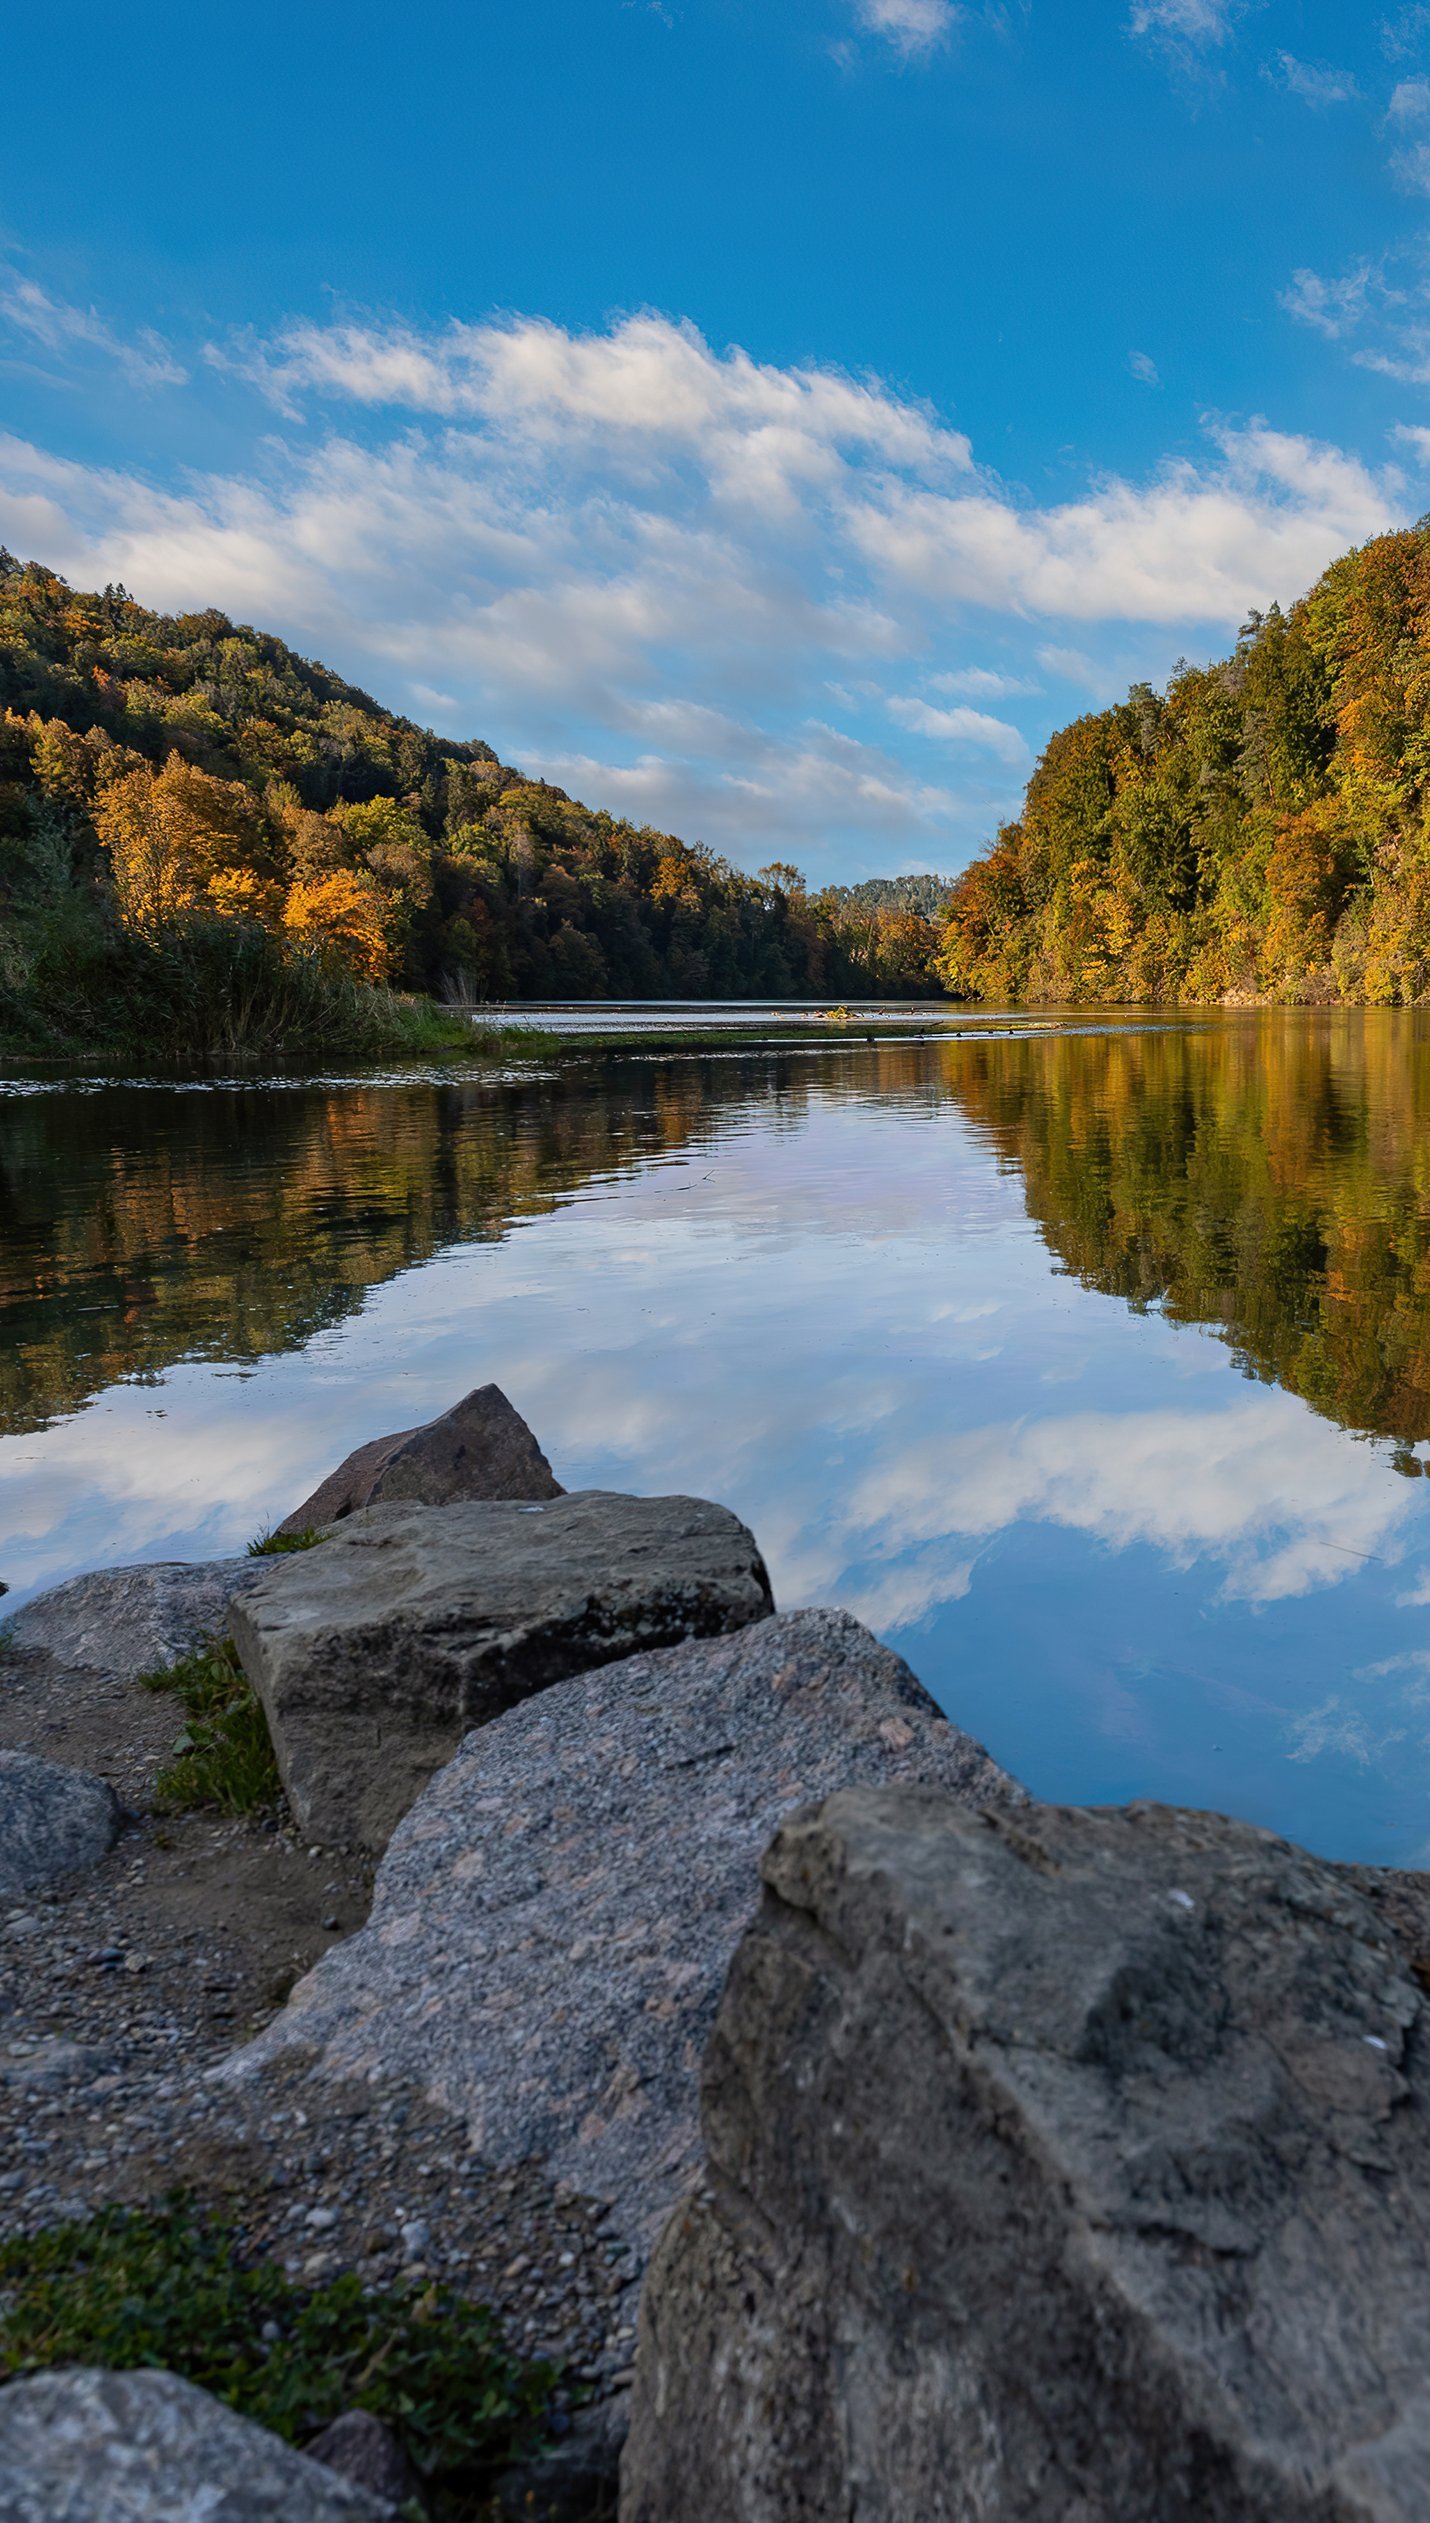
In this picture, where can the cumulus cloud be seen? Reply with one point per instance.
(66, 331)
(1173, 548)
(676, 572)
(647, 390)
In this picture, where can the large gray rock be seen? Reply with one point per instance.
(80, 2445)
(52, 1820)
(1061, 2164)
(375, 1653)
(481, 1448)
(553, 1921)
(124, 1621)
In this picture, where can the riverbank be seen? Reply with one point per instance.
(136, 1984)
(424, 2028)
(76, 987)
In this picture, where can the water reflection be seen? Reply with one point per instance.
(817, 1284)
(1271, 1176)
(144, 1225)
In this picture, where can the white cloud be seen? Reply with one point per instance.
(1184, 21)
(912, 26)
(1417, 439)
(1272, 512)
(1265, 1487)
(647, 391)
(758, 786)
(1380, 310)
(981, 683)
(1390, 1714)
(962, 726)
(1335, 306)
(668, 565)
(1408, 113)
(1143, 368)
(64, 330)
(1314, 82)
(1405, 34)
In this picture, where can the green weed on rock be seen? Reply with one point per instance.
(171, 2288)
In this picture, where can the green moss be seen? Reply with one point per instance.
(175, 2289)
(224, 1758)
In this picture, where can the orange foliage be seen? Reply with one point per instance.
(169, 835)
(343, 915)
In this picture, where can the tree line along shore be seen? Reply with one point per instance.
(211, 847)
(1254, 835)
(210, 844)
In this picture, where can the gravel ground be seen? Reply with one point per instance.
(121, 1987)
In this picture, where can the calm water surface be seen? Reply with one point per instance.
(1088, 1362)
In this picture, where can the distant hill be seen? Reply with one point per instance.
(926, 896)
(1258, 832)
(163, 776)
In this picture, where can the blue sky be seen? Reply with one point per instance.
(768, 420)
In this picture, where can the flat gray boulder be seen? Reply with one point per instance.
(1060, 2164)
(80, 2445)
(376, 1652)
(553, 1921)
(123, 1621)
(481, 1448)
(52, 1820)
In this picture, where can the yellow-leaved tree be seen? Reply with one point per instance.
(344, 916)
(179, 842)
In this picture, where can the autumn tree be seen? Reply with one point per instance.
(343, 917)
(173, 836)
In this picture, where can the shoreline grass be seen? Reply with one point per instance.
(223, 1759)
(215, 994)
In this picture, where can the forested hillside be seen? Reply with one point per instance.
(171, 782)
(1258, 832)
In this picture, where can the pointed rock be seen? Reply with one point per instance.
(481, 1448)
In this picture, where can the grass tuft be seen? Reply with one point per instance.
(272, 1545)
(223, 1760)
(173, 2288)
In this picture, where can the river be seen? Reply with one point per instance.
(1087, 1359)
